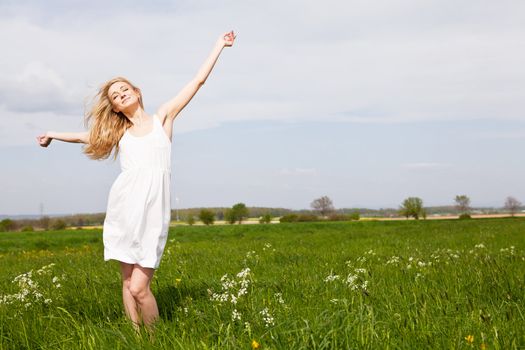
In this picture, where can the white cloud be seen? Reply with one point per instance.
(383, 62)
(37, 88)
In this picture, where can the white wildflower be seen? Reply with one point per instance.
(393, 260)
(267, 318)
(279, 297)
(350, 281)
(236, 315)
(361, 259)
(244, 273)
(331, 277)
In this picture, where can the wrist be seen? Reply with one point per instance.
(220, 43)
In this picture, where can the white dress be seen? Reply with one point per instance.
(138, 212)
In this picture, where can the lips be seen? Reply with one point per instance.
(125, 100)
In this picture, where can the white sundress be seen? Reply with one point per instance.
(138, 211)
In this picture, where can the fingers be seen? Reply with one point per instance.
(230, 36)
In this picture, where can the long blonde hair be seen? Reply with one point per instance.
(106, 126)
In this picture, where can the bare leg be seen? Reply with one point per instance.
(130, 304)
(139, 288)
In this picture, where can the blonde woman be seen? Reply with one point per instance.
(138, 210)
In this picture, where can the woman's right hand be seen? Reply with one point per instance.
(44, 140)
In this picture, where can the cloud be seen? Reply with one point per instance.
(387, 62)
(37, 88)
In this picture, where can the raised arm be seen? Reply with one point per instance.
(169, 110)
(75, 137)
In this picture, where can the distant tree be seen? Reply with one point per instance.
(289, 218)
(265, 219)
(323, 205)
(190, 220)
(58, 225)
(462, 204)
(512, 205)
(412, 206)
(7, 225)
(80, 222)
(27, 228)
(207, 216)
(44, 222)
(355, 216)
(229, 216)
(240, 212)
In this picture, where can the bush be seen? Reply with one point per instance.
(288, 218)
(308, 218)
(190, 220)
(58, 225)
(28, 228)
(339, 217)
(229, 216)
(265, 219)
(237, 213)
(207, 217)
(464, 217)
(355, 216)
(7, 225)
(413, 206)
(299, 218)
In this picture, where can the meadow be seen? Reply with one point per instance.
(450, 284)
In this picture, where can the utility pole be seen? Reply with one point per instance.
(177, 208)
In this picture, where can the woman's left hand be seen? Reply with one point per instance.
(227, 39)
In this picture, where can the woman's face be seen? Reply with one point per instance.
(122, 96)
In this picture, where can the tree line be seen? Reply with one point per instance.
(322, 209)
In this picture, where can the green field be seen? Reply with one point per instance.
(371, 285)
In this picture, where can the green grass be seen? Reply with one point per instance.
(368, 285)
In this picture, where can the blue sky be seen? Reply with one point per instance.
(366, 102)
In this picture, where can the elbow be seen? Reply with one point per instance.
(200, 82)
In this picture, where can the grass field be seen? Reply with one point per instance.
(371, 285)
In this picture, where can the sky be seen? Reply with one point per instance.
(367, 102)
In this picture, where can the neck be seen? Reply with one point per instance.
(136, 116)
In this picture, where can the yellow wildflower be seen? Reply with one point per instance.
(483, 346)
(255, 344)
(177, 280)
(470, 339)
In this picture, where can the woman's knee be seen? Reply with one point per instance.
(138, 291)
(126, 282)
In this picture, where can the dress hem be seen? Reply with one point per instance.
(127, 260)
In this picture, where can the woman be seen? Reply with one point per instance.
(138, 211)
